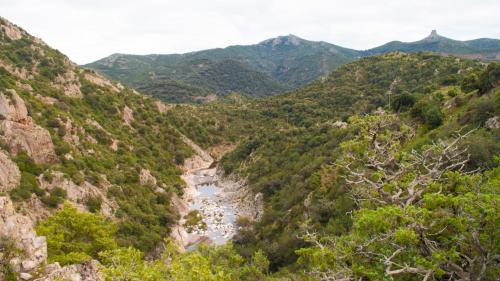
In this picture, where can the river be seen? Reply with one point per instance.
(217, 214)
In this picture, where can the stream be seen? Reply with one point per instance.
(218, 214)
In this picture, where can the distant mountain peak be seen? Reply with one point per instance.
(289, 39)
(433, 36)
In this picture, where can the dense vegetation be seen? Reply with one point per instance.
(257, 70)
(263, 69)
(291, 157)
(96, 121)
(387, 169)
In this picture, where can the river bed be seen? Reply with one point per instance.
(218, 214)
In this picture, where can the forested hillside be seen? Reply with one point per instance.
(263, 69)
(386, 169)
(68, 134)
(299, 157)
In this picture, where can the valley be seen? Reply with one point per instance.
(306, 161)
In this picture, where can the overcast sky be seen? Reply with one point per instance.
(87, 30)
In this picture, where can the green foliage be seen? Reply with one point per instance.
(56, 196)
(207, 263)
(94, 203)
(396, 240)
(74, 237)
(256, 70)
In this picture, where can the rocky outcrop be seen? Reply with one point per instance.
(12, 107)
(101, 81)
(9, 173)
(128, 115)
(16, 71)
(200, 159)
(88, 271)
(10, 30)
(69, 83)
(162, 108)
(20, 230)
(493, 123)
(145, 178)
(114, 145)
(237, 191)
(19, 132)
(78, 194)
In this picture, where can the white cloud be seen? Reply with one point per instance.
(87, 30)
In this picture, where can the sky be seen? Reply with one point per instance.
(87, 30)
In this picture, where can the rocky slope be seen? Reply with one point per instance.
(68, 134)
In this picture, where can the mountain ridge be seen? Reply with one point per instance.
(269, 67)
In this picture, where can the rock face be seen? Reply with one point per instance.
(20, 133)
(128, 115)
(9, 173)
(19, 228)
(145, 178)
(493, 123)
(11, 31)
(33, 262)
(79, 193)
(77, 272)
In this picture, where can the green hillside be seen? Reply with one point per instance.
(387, 168)
(292, 158)
(95, 148)
(264, 69)
(484, 48)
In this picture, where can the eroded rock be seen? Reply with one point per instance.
(88, 271)
(145, 178)
(20, 133)
(9, 173)
(20, 229)
(128, 115)
(79, 193)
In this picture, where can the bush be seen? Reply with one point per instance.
(94, 204)
(74, 237)
(56, 196)
(403, 102)
(27, 186)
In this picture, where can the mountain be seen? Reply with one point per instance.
(385, 169)
(296, 149)
(484, 48)
(67, 134)
(263, 69)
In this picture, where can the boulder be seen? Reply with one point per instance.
(145, 178)
(9, 173)
(88, 271)
(20, 133)
(493, 123)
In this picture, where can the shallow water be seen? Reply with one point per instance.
(219, 216)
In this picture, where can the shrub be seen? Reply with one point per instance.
(74, 237)
(94, 203)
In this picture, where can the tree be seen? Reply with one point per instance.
(419, 216)
(74, 237)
